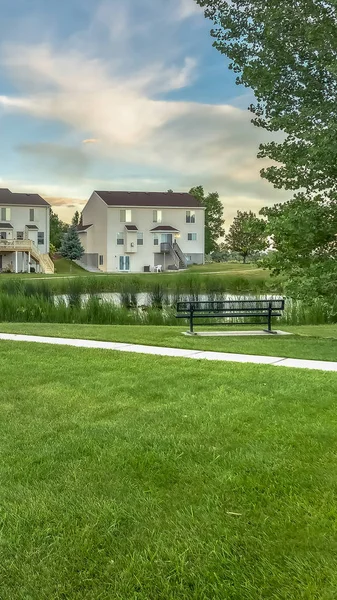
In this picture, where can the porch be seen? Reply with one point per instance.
(19, 256)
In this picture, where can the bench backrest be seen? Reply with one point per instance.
(231, 306)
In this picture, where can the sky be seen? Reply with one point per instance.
(122, 95)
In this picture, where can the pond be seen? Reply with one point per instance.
(150, 299)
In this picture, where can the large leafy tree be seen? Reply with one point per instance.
(71, 245)
(303, 233)
(57, 230)
(214, 221)
(286, 52)
(247, 234)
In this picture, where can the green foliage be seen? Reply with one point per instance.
(246, 235)
(286, 53)
(76, 219)
(57, 230)
(71, 246)
(214, 221)
(304, 237)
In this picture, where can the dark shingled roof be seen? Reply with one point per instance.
(10, 199)
(164, 228)
(155, 199)
(82, 228)
(6, 226)
(131, 227)
(32, 227)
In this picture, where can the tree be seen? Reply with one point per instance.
(57, 230)
(214, 222)
(76, 219)
(303, 233)
(286, 52)
(71, 246)
(247, 234)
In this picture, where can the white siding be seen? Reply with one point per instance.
(95, 240)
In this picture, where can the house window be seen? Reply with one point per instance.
(19, 235)
(31, 214)
(188, 257)
(101, 259)
(40, 238)
(5, 214)
(156, 240)
(125, 216)
(120, 239)
(190, 216)
(157, 216)
(192, 237)
(140, 239)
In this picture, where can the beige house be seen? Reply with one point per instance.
(24, 233)
(142, 231)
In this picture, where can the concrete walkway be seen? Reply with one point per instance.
(177, 352)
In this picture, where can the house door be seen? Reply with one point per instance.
(166, 238)
(124, 263)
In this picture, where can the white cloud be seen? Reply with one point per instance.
(188, 8)
(118, 102)
(90, 141)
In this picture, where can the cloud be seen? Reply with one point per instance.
(90, 141)
(112, 94)
(188, 8)
(66, 161)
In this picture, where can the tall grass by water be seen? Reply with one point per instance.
(38, 304)
(192, 284)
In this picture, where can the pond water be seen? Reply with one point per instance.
(147, 299)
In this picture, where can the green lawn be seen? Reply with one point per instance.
(311, 342)
(148, 478)
(68, 267)
(248, 270)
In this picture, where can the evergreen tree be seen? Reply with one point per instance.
(71, 246)
(76, 218)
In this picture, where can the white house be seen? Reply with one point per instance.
(24, 233)
(141, 231)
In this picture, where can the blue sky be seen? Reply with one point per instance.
(122, 95)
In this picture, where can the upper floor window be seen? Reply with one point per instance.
(120, 239)
(190, 216)
(125, 216)
(5, 214)
(40, 237)
(31, 214)
(192, 237)
(156, 240)
(140, 239)
(157, 216)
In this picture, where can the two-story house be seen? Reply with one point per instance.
(24, 233)
(139, 231)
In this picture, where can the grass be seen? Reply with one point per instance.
(148, 478)
(67, 267)
(313, 343)
(249, 269)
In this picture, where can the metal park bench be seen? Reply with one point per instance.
(231, 309)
